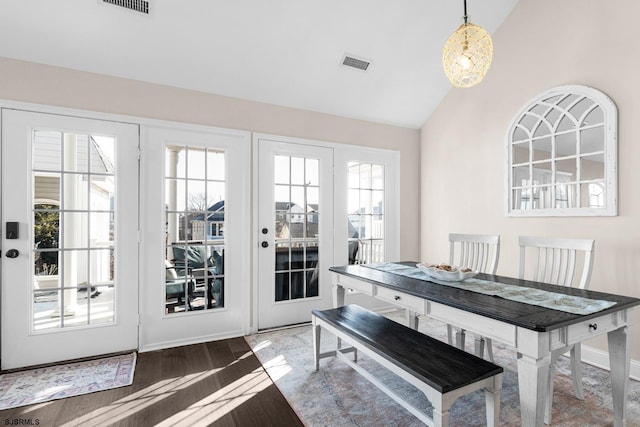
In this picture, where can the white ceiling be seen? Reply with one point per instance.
(283, 52)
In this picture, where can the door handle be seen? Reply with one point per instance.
(12, 253)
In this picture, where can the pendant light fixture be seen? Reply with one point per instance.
(466, 56)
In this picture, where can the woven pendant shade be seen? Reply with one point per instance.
(466, 56)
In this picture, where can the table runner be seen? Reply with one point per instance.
(555, 301)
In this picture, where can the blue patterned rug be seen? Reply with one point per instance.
(338, 396)
(60, 381)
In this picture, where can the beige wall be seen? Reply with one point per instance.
(542, 44)
(29, 82)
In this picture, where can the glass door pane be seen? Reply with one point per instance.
(74, 188)
(297, 214)
(366, 212)
(195, 193)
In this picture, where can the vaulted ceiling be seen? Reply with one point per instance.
(282, 52)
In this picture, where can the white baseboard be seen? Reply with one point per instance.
(600, 359)
(192, 340)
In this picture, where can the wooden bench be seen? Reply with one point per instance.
(442, 372)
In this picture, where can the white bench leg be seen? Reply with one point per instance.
(492, 399)
(441, 411)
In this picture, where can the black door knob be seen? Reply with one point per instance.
(12, 253)
(265, 244)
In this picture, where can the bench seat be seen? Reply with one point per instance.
(442, 372)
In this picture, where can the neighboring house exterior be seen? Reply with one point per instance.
(86, 184)
(207, 226)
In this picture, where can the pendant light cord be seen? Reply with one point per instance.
(465, 12)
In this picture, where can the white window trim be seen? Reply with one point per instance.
(390, 160)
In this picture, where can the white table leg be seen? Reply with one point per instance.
(316, 344)
(619, 361)
(533, 377)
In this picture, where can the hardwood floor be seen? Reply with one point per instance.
(218, 383)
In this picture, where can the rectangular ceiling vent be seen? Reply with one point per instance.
(137, 5)
(357, 63)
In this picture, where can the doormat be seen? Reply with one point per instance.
(60, 381)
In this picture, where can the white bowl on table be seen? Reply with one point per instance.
(455, 275)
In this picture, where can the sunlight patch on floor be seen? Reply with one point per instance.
(36, 406)
(129, 405)
(222, 402)
(261, 345)
(212, 407)
(277, 367)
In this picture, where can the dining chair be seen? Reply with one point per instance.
(479, 252)
(554, 260)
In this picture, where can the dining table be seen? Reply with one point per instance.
(534, 318)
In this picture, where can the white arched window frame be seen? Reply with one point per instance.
(560, 146)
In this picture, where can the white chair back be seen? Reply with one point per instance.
(555, 260)
(479, 252)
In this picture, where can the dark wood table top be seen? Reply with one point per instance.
(523, 315)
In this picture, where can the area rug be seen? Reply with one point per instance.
(337, 396)
(60, 381)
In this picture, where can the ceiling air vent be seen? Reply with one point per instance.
(137, 5)
(357, 63)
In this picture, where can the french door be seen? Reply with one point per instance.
(195, 235)
(69, 250)
(295, 231)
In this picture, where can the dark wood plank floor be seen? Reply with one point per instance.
(218, 383)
